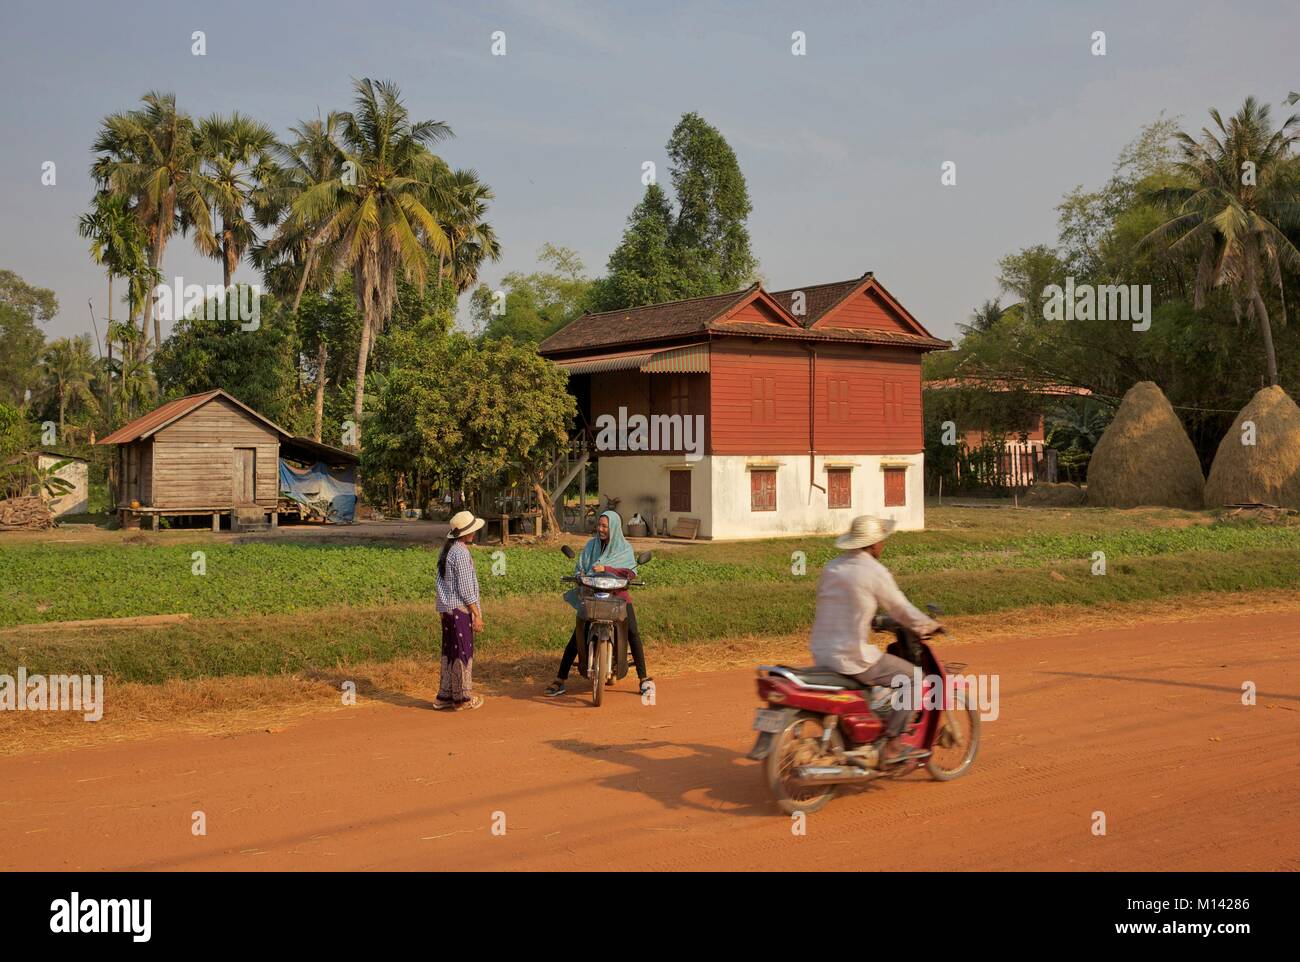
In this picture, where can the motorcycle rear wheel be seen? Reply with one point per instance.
(799, 744)
(941, 764)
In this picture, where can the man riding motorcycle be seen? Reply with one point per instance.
(850, 590)
(608, 552)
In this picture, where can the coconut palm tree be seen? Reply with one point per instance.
(312, 158)
(461, 201)
(377, 208)
(68, 369)
(151, 155)
(136, 384)
(236, 162)
(1237, 198)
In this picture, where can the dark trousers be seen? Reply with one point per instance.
(633, 642)
(883, 672)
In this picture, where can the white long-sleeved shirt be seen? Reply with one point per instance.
(849, 591)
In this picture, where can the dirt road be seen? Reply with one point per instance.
(1145, 724)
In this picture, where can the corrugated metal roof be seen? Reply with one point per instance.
(692, 359)
(158, 417)
(609, 362)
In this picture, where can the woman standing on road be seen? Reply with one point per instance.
(458, 608)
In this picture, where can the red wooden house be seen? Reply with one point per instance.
(804, 407)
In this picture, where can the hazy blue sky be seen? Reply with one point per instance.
(841, 148)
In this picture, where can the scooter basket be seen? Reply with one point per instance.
(603, 609)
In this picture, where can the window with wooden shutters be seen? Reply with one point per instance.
(679, 395)
(679, 491)
(893, 402)
(762, 399)
(837, 400)
(895, 487)
(839, 487)
(762, 490)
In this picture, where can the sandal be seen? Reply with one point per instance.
(554, 688)
(475, 701)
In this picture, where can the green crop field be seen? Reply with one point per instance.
(284, 605)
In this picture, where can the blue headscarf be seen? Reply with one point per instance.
(617, 553)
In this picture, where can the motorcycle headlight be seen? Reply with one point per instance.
(604, 583)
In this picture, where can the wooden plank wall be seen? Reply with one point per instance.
(194, 457)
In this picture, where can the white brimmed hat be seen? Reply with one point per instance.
(463, 523)
(865, 531)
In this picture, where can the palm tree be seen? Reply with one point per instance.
(1237, 198)
(151, 155)
(69, 368)
(117, 241)
(236, 163)
(984, 317)
(136, 384)
(313, 158)
(377, 208)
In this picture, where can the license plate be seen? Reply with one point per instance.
(769, 721)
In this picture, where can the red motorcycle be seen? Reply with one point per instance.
(822, 730)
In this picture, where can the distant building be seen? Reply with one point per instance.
(76, 472)
(804, 408)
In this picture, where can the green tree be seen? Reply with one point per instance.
(68, 370)
(235, 156)
(258, 367)
(1237, 197)
(643, 268)
(151, 156)
(536, 305)
(709, 237)
(377, 207)
(22, 306)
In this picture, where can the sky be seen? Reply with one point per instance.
(843, 147)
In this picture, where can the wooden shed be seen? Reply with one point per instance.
(204, 454)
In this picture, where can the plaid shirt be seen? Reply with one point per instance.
(460, 588)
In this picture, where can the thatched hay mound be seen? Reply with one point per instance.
(1145, 457)
(1044, 494)
(1267, 471)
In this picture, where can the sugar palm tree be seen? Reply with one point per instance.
(117, 241)
(377, 208)
(236, 162)
(68, 369)
(1237, 198)
(151, 155)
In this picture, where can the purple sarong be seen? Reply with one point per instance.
(457, 658)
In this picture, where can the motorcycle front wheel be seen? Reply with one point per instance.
(799, 744)
(954, 749)
(600, 668)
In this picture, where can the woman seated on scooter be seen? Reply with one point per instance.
(608, 553)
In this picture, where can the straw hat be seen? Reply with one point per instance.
(865, 531)
(463, 523)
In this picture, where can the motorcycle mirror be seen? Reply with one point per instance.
(935, 611)
(568, 551)
(644, 557)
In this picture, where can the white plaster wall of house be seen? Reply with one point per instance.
(77, 473)
(641, 483)
(803, 509)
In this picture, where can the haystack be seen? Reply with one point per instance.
(1145, 457)
(1267, 471)
(1044, 494)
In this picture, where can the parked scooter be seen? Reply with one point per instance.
(822, 730)
(602, 625)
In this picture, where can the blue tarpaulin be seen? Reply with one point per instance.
(331, 491)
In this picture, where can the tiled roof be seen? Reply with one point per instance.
(819, 298)
(841, 334)
(654, 322)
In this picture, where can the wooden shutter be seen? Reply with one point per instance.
(762, 393)
(895, 487)
(762, 490)
(679, 491)
(839, 487)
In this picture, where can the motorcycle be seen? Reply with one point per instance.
(822, 730)
(602, 625)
